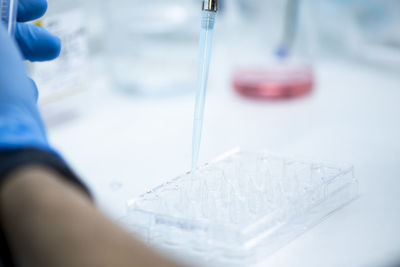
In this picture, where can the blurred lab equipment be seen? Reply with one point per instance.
(278, 81)
(152, 46)
(289, 32)
(368, 30)
(8, 9)
(60, 80)
(210, 8)
(281, 76)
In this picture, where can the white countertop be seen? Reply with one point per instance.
(353, 116)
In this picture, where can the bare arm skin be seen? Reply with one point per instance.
(49, 222)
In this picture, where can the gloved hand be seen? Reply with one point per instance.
(20, 123)
(23, 138)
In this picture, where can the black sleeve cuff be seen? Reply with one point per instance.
(11, 160)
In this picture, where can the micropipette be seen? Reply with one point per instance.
(209, 10)
(290, 30)
(8, 9)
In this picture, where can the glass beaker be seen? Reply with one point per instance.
(152, 45)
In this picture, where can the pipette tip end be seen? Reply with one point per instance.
(282, 52)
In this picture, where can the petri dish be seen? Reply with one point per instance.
(280, 81)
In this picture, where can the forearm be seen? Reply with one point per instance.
(49, 222)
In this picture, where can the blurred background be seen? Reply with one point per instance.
(319, 79)
(132, 41)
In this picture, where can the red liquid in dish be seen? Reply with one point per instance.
(278, 82)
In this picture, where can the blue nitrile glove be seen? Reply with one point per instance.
(20, 123)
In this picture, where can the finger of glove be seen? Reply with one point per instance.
(36, 43)
(31, 9)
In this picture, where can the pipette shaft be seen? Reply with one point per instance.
(8, 9)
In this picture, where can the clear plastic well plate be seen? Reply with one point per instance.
(240, 208)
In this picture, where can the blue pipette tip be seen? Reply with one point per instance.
(282, 52)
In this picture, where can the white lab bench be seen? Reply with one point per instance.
(353, 116)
